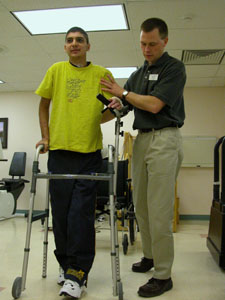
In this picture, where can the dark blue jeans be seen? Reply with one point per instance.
(73, 209)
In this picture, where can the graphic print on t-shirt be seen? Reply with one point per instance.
(74, 87)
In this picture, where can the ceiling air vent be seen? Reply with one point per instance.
(202, 57)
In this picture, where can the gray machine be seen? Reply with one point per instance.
(216, 234)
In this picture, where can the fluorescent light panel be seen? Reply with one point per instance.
(123, 72)
(60, 20)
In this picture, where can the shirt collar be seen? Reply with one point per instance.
(159, 62)
(77, 66)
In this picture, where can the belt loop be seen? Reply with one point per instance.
(153, 131)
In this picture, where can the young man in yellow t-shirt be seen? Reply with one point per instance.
(72, 135)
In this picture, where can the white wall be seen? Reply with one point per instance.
(23, 133)
(205, 116)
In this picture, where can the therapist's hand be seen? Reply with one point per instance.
(112, 87)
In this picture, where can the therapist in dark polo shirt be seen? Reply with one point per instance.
(155, 93)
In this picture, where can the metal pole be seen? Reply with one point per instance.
(45, 243)
(117, 260)
(112, 217)
(29, 224)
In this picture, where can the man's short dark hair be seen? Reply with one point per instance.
(152, 23)
(78, 29)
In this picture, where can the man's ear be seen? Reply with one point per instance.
(88, 47)
(166, 40)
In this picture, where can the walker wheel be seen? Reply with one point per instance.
(125, 243)
(120, 290)
(17, 287)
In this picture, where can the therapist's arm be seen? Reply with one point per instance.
(149, 103)
(144, 102)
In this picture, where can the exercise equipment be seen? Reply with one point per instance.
(11, 188)
(124, 202)
(111, 177)
(122, 186)
(216, 234)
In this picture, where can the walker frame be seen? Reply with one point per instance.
(111, 176)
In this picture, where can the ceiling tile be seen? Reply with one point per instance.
(198, 82)
(221, 71)
(192, 25)
(218, 81)
(197, 38)
(201, 71)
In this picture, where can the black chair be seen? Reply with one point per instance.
(11, 188)
(123, 197)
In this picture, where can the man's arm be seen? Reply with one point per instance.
(148, 103)
(44, 120)
(107, 116)
(144, 102)
(114, 103)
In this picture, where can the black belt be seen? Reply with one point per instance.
(145, 130)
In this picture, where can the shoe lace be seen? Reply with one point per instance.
(72, 283)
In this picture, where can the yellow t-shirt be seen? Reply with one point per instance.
(76, 112)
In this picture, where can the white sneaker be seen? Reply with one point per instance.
(61, 278)
(72, 289)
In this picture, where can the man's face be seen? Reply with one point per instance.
(76, 45)
(152, 45)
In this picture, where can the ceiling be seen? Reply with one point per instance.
(193, 25)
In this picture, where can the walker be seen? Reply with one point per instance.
(111, 176)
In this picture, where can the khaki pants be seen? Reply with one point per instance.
(157, 156)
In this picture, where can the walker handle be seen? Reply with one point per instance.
(37, 152)
(118, 113)
(101, 98)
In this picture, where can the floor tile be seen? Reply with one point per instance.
(196, 276)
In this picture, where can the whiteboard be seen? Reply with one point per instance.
(198, 151)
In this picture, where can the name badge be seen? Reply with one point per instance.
(153, 77)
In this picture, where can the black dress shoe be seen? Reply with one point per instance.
(143, 266)
(155, 287)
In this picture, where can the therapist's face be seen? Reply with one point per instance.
(152, 45)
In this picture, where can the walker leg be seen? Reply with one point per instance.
(20, 282)
(45, 243)
(27, 243)
(113, 245)
(120, 290)
(117, 284)
(117, 253)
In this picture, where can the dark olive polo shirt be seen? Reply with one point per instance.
(165, 80)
